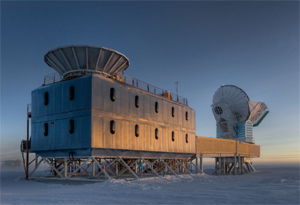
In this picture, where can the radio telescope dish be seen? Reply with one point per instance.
(230, 107)
(73, 61)
(235, 114)
(233, 98)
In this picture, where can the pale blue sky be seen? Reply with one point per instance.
(254, 45)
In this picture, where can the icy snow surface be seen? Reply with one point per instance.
(269, 185)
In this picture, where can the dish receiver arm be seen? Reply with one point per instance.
(258, 111)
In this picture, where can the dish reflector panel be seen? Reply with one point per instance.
(78, 60)
(233, 98)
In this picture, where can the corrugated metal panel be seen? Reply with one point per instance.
(58, 137)
(59, 97)
(57, 114)
(127, 115)
(92, 110)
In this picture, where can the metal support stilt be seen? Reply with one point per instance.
(93, 168)
(242, 161)
(197, 164)
(240, 165)
(201, 163)
(117, 169)
(234, 165)
(65, 168)
(223, 166)
(27, 143)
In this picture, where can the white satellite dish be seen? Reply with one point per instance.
(235, 114)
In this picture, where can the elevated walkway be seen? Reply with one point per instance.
(215, 147)
(231, 156)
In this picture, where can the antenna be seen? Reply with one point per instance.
(235, 114)
(73, 61)
(177, 92)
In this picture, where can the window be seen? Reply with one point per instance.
(46, 98)
(156, 133)
(186, 138)
(173, 136)
(173, 112)
(72, 92)
(46, 129)
(136, 101)
(186, 116)
(112, 127)
(71, 126)
(112, 94)
(156, 107)
(136, 130)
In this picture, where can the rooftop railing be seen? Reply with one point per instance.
(54, 77)
(51, 78)
(155, 90)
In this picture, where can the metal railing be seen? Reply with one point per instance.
(54, 77)
(155, 90)
(51, 78)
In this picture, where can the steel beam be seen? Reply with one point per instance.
(100, 167)
(129, 169)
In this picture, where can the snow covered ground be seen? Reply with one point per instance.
(269, 185)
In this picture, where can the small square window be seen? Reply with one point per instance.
(156, 107)
(112, 94)
(136, 101)
(71, 126)
(173, 112)
(112, 126)
(156, 133)
(46, 98)
(71, 92)
(173, 136)
(186, 116)
(136, 130)
(46, 129)
(186, 138)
